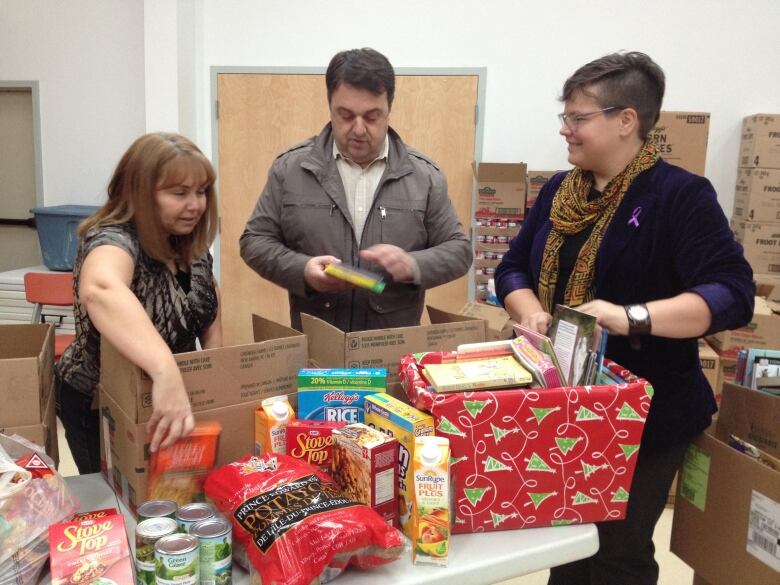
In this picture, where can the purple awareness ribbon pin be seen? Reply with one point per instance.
(635, 217)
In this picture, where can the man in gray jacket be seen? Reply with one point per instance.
(356, 194)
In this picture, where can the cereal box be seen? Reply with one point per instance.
(90, 551)
(398, 419)
(365, 468)
(177, 472)
(337, 394)
(312, 441)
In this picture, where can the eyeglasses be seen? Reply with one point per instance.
(572, 121)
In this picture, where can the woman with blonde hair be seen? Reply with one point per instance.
(143, 280)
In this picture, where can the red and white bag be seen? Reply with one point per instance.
(292, 524)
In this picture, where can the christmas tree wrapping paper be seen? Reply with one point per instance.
(536, 457)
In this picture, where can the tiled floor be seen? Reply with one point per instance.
(673, 570)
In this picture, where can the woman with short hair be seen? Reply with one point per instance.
(645, 247)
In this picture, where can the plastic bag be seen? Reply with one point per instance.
(293, 526)
(32, 496)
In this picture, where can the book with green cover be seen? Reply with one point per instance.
(481, 374)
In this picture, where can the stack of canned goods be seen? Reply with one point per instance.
(186, 545)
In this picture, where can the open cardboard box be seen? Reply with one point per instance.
(727, 510)
(330, 347)
(27, 383)
(225, 384)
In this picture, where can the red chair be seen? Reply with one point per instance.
(50, 288)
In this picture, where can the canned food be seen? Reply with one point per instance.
(147, 533)
(479, 255)
(216, 550)
(511, 223)
(500, 223)
(157, 509)
(189, 514)
(176, 560)
(490, 270)
(481, 238)
(502, 239)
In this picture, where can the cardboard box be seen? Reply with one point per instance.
(763, 331)
(757, 196)
(499, 323)
(536, 180)
(710, 366)
(26, 373)
(43, 433)
(768, 286)
(404, 423)
(727, 513)
(330, 347)
(681, 138)
(760, 146)
(216, 377)
(124, 445)
(225, 385)
(501, 189)
(761, 241)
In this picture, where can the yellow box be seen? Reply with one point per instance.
(404, 422)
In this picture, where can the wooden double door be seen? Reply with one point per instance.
(261, 114)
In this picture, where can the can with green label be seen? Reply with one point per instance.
(215, 537)
(157, 509)
(147, 533)
(189, 514)
(176, 560)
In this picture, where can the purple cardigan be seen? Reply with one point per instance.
(669, 235)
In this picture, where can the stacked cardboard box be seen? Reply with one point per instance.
(726, 513)
(499, 211)
(681, 138)
(27, 384)
(756, 217)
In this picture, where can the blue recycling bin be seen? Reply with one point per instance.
(56, 226)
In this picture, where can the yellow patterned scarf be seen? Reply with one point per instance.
(571, 213)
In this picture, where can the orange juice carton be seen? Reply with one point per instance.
(405, 423)
(365, 468)
(431, 517)
(337, 394)
(177, 472)
(92, 550)
(312, 441)
(271, 420)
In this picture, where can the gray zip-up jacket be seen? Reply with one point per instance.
(302, 212)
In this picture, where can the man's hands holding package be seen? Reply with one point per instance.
(394, 261)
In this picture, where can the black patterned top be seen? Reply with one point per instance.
(178, 316)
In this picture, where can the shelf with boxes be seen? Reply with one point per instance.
(756, 216)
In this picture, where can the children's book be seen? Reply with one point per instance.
(543, 344)
(542, 369)
(481, 374)
(573, 333)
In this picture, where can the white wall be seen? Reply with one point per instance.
(88, 56)
(110, 70)
(720, 56)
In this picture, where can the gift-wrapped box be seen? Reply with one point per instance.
(524, 458)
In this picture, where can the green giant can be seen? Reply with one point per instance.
(147, 533)
(190, 514)
(216, 550)
(176, 560)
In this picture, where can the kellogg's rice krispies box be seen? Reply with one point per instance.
(93, 550)
(312, 441)
(398, 419)
(337, 394)
(365, 468)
